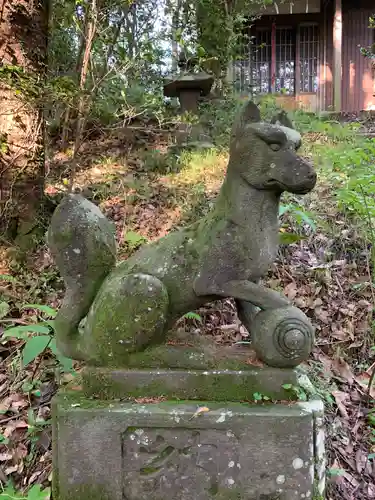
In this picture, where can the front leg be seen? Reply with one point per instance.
(256, 294)
(282, 335)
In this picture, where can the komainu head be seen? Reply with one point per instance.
(265, 154)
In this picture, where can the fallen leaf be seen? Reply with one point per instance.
(339, 334)
(342, 369)
(12, 426)
(370, 491)
(20, 452)
(200, 410)
(350, 479)
(18, 404)
(301, 302)
(13, 401)
(291, 290)
(341, 398)
(360, 460)
(150, 400)
(326, 362)
(323, 315)
(363, 380)
(11, 469)
(229, 327)
(33, 477)
(317, 302)
(254, 362)
(5, 405)
(357, 343)
(4, 387)
(76, 388)
(366, 304)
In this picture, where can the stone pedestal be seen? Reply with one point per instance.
(109, 449)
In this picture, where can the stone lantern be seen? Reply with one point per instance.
(188, 87)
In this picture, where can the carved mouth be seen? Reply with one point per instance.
(273, 183)
(306, 187)
(302, 189)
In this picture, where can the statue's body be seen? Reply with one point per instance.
(132, 306)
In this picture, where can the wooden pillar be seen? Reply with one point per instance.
(337, 55)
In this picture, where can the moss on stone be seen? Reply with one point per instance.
(316, 493)
(63, 237)
(66, 399)
(232, 494)
(83, 246)
(82, 492)
(239, 494)
(204, 355)
(196, 358)
(218, 385)
(102, 387)
(317, 496)
(110, 335)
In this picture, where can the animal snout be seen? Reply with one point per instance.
(308, 172)
(308, 183)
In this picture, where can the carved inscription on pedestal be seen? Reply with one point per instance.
(184, 464)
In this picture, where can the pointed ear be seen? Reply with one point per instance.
(282, 118)
(248, 114)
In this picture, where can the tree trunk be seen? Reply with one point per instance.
(175, 26)
(23, 55)
(84, 98)
(66, 123)
(131, 25)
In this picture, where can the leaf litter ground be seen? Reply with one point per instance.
(327, 275)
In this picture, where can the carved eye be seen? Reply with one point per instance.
(275, 147)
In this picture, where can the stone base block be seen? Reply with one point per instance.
(168, 450)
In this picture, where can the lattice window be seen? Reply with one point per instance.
(285, 60)
(260, 54)
(309, 52)
(272, 67)
(263, 81)
(241, 75)
(241, 66)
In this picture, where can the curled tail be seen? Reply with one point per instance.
(82, 243)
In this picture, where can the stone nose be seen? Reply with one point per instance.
(311, 174)
(312, 177)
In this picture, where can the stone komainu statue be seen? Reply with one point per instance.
(131, 306)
